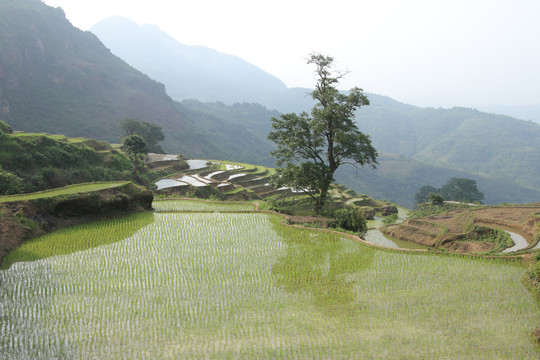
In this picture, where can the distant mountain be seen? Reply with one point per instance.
(398, 178)
(58, 79)
(190, 72)
(462, 139)
(524, 112)
(55, 78)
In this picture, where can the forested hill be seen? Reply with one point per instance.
(459, 138)
(56, 78)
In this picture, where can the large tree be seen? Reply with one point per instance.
(311, 147)
(461, 189)
(151, 133)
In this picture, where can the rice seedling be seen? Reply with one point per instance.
(78, 238)
(167, 205)
(241, 285)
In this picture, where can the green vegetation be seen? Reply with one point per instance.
(427, 209)
(456, 189)
(225, 285)
(134, 145)
(310, 148)
(390, 219)
(67, 190)
(500, 238)
(168, 205)
(78, 238)
(10, 183)
(351, 219)
(43, 161)
(150, 133)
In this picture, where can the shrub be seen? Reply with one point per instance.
(390, 219)
(435, 199)
(10, 183)
(351, 219)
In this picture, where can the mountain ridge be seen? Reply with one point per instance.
(226, 78)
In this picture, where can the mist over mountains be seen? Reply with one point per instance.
(56, 78)
(190, 72)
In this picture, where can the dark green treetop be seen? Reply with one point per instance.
(134, 145)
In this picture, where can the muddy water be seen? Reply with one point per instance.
(376, 237)
(196, 164)
(519, 242)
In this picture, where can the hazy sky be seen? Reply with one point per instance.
(444, 53)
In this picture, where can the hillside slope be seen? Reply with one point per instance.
(459, 139)
(55, 78)
(191, 72)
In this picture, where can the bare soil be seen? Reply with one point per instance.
(443, 231)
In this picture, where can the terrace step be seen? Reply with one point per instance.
(253, 182)
(274, 192)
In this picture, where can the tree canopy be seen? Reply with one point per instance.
(456, 189)
(461, 189)
(151, 133)
(311, 147)
(134, 145)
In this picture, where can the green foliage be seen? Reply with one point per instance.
(427, 209)
(456, 189)
(435, 199)
(150, 133)
(134, 145)
(351, 219)
(78, 238)
(67, 190)
(422, 194)
(390, 219)
(460, 189)
(43, 162)
(5, 128)
(10, 183)
(500, 238)
(313, 146)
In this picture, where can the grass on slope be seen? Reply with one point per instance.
(67, 190)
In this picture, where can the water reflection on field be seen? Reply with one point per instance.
(376, 237)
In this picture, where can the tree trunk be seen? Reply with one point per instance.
(321, 200)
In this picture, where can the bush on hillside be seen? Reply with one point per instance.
(5, 128)
(10, 183)
(351, 219)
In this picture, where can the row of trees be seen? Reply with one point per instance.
(456, 189)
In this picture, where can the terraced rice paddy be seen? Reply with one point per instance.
(206, 206)
(243, 286)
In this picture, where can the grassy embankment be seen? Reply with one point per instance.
(25, 216)
(67, 190)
